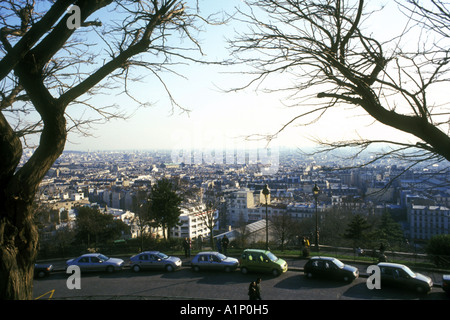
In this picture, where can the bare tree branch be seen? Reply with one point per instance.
(324, 46)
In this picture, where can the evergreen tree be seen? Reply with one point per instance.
(389, 230)
(165, 205)
(357, 230)
(93, 225)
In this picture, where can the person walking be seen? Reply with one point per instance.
(254, 290)
(200, 242)
(225, 243)
(187, 247)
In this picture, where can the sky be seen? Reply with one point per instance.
(217, 119)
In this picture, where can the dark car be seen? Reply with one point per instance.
(331, 268)
(446, 283)
(399, 275)
(42, 270)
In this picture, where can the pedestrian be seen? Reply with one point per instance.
(225, 243)
(258, 289)
(254, 290)
(187, 247)
(200, 242)
(304, 248)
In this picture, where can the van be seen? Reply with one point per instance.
(256, 260)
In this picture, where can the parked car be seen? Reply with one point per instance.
(399, 275)
(96, 262)
(154, 260)
(42, 270)
(211, 260)
(331, 268)
(446, 283)
(262, 261)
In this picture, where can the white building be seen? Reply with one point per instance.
(194, 222)
(427, 221)
(244, 206)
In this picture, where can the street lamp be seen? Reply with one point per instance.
(266, 193)
(316, 192)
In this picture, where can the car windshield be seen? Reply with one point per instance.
(221, 256)
(161, 255)
(103, 257)
(338, 263)
(272, 257)
(409, 271)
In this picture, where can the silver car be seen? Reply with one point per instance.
(212, 260)
(154, 260)
(96, 262)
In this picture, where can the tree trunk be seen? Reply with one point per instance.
(18, 251)
(18, 233)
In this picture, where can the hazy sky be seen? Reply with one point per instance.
(217, 119)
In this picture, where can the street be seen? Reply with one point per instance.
(187, 284)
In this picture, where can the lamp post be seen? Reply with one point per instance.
(316, 192)
(266, 193)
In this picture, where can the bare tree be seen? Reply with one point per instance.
(52, 59)
(284, 228)
(333, 61)
(212, 200)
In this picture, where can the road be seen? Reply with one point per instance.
(187, 284)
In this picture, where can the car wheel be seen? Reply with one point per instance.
(275, 272)
(136, 268)
(196, 268)
(41, 274)
(169, 268)
(420, 289)
(110, 269)
(346, 278)
(309, 275)
(227, 269)
(244, 270)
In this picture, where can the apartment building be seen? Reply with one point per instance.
(246, 206)
(427, 221)
(194, 222)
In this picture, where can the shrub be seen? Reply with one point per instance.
(438, 248)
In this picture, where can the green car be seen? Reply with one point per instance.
(261, 261)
